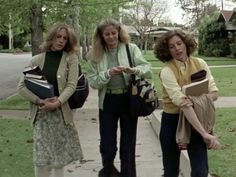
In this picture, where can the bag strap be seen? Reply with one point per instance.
(80, 69)
(130, 61)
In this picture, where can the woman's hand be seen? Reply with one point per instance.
(211, 141)
(115, 71)
(127, 69)
(50, 104)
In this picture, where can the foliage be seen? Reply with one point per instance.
(196, 9)
(213, 38)
(233, 49)
(77, 13)
(142, 15)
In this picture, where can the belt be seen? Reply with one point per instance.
(117, 91)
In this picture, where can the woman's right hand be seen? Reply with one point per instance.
(115, 70)
(211, 141)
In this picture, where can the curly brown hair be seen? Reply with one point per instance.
(161, 49)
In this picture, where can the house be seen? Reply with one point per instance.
(153, 33)
(229, 18)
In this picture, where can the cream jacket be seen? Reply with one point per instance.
(67, 74)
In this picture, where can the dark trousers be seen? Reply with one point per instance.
(116, 108)
(197, 149)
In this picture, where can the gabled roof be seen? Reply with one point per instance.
(225, 15)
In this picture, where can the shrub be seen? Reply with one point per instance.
(217, 52)
(233, 49)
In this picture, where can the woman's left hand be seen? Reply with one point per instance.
(50, 104)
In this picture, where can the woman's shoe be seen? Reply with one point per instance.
(109, 172)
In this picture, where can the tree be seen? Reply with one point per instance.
(29, 18)
(142, 14)
(213, 38)
(35, 16)
(196, 10)
(91, 12)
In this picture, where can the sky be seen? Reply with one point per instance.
(175, 13)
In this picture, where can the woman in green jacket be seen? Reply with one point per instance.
(109, 72)
(56, 141)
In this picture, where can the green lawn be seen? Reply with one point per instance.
(14, 102)
(16, 148)
(222, 162)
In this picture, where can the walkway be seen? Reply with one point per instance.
(148, 152)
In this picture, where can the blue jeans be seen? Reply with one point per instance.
(116, 108)
(197, 149)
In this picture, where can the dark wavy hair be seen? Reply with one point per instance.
(161, 48)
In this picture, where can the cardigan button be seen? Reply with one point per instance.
(59, 76)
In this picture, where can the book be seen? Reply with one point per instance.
(41, 89)
(32, 70)
(28, 75)
(196, 88)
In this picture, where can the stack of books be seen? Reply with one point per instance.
(36, 82)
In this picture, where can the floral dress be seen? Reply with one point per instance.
(56, 144)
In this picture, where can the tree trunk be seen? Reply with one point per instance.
(36, 19)
(85, 44)
(72, 19)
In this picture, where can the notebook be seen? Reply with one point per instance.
(196, 88)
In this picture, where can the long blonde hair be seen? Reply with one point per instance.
(99, 45)
(72, 43)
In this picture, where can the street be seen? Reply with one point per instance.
(10, 72)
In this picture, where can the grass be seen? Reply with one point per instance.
(16, 148)
(14, 102)
(222, 162)
(225, 79)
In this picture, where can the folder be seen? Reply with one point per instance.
(196, 88)
(41, 88)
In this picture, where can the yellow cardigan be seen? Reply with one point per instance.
(67, 74)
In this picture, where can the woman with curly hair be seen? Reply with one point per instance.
(175, 49)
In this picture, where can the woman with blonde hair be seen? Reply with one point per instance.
(109, 72)
(56, 141)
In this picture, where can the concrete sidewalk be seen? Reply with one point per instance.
(148, 152)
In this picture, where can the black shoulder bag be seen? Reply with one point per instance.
(143, 99)
(78, 98)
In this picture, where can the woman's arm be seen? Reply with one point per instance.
(97, 79)
(210, 140)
